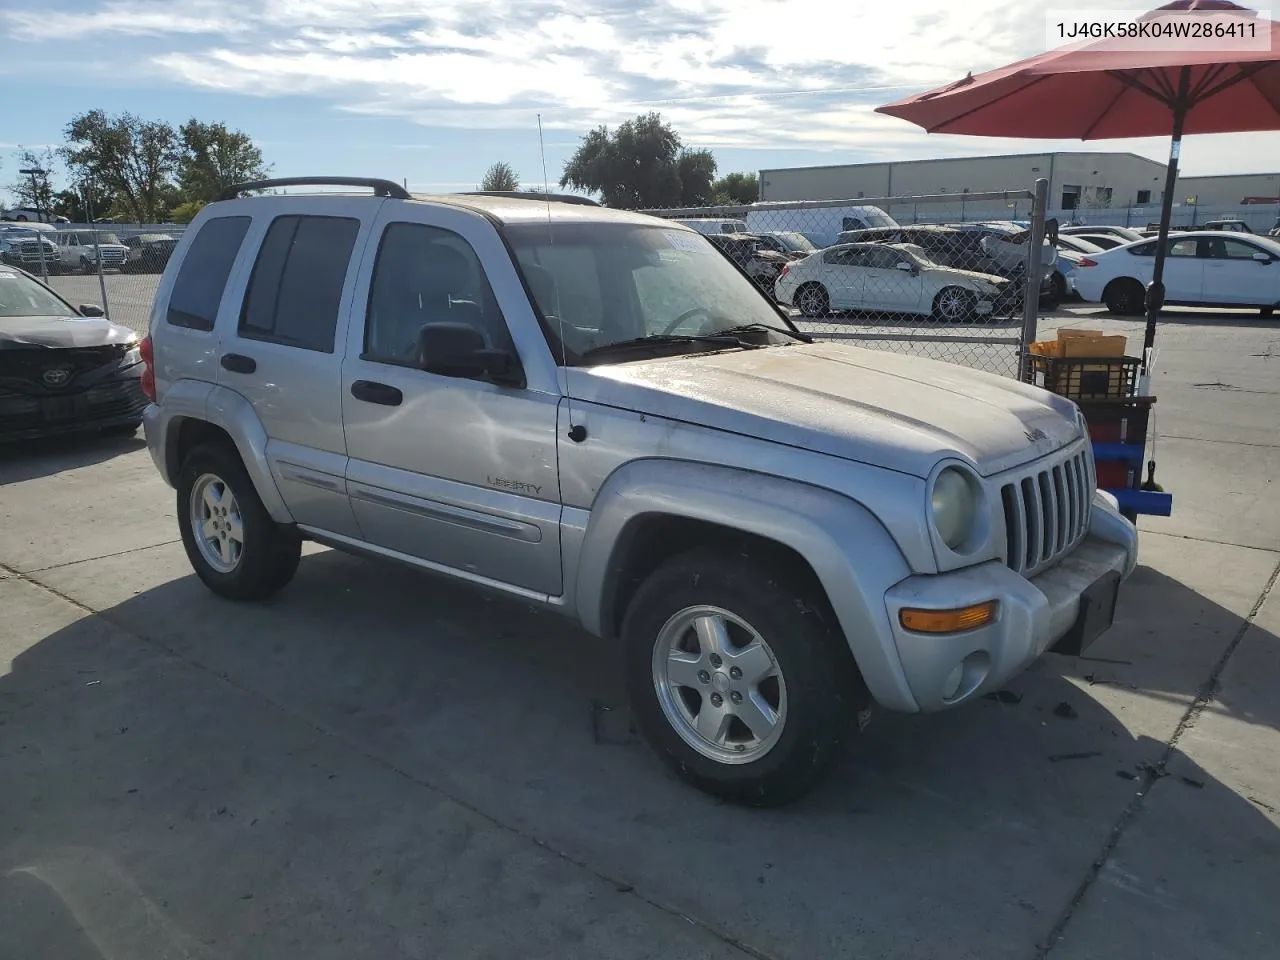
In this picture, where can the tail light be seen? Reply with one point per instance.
(147, 353)
(1086, 262)
(786, 268)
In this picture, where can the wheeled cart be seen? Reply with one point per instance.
(1105, 389)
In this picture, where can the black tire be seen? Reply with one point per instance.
(813, 301)
(1057, 288)
(270, 552)
(1267, 311)
(954, 305)
(823, 689)
(1125, 297)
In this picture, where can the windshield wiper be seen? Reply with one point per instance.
(747, 327)
(656, 339)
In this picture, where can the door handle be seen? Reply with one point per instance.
(238, 363)
(370, 391)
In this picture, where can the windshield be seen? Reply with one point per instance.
(20, 296)
(88, 239)
(880, 219)
(916, 251)
(606, 282)
(796, 242)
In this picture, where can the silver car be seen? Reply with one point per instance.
(595, 412)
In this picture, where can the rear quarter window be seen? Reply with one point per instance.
(295, 290)
(197, 291)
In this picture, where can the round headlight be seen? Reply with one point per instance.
(953, 507)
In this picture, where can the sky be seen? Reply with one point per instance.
(433, 93)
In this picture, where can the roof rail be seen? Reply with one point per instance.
(381, 188)
(533, 195)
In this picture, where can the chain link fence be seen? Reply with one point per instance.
(908, 274)
(116, 267)
(912, 275)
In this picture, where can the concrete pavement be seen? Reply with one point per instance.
(379, 764)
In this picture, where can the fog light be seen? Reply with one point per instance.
(948, 621)
(952, 685)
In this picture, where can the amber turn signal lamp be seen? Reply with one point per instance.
(948, 621)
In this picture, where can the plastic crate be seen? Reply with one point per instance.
(1086, 378)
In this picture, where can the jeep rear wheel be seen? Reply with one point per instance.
(233, 544)
(736, 677)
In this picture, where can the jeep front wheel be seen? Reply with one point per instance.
(233, 544)
(737, 678)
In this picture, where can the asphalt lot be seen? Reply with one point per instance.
(379, 764)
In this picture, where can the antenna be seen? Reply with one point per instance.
(577, 432)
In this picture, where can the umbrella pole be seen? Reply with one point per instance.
(1155, 292)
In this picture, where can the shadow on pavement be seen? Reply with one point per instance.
(32, 459)
(965, 835)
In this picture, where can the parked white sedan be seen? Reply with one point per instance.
(1202, 268)
(885, 278)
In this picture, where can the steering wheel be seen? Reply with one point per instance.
(683, 317)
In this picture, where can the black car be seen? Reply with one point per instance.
(148, 252)
(63, 369)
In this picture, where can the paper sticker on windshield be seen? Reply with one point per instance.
(690, 242)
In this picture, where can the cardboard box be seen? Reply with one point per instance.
(1090, 343)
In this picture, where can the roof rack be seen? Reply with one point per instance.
(381, 188)
(533, 195)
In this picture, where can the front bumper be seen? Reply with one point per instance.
(1032, 616)
(116, 402)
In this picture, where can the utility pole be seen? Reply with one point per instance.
(34, 172)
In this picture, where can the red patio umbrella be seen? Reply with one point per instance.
(1109, 88)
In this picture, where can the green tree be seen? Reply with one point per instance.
(69, 204)
(212, 157)
(34, 190)
(641, 165)
(697, 170)
(735, 188)
(186, 212)
(131, 158)
(501, 177)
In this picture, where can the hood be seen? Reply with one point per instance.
(19, 332)
(973, 275)
(888, 410)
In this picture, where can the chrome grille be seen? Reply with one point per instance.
(1046, 510)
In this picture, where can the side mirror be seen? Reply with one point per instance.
(1261, 257)
(90, 310)
(459, 350)
(903, 265)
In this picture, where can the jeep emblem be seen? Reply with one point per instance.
(1035, 434)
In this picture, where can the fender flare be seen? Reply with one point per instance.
(855, 558)
(224, 408)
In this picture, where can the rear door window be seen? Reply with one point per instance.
(295, 290)
(197, 291)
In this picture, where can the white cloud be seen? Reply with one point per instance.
(749, 74)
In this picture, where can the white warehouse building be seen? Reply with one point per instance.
(1091, 186)
(1075, 179)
